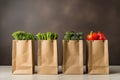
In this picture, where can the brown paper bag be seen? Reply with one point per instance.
(22, 57)
(97, 57)
(73, 57)
(47, 57)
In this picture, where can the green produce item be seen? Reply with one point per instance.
(73, 36)
(21, 35)
(39, 36)
(30, 36)
(47, 36)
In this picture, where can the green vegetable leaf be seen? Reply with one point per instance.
(47, 36)
(21, 35)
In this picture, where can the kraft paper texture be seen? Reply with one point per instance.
(47, 57)
(22, 57)
(97, 57)
(72, 57)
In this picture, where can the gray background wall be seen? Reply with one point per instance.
(59, 16)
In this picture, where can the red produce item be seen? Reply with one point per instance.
(95, 36)
(89, 36)
(101, 36)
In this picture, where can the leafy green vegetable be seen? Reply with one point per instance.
(55, 36)
(21, 35)
(73, 36)
(67, 36)
(47, 36)
(40, 36)
(30, 36)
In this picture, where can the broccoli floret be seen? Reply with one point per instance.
(73, 36)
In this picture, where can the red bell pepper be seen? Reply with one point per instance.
(95, 36)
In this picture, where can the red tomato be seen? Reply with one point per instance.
(101, 36)
(95, 36)
(89, 37)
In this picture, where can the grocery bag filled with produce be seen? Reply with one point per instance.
(47, 53)
(97, 53)
(22, 53)
(73, 53)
